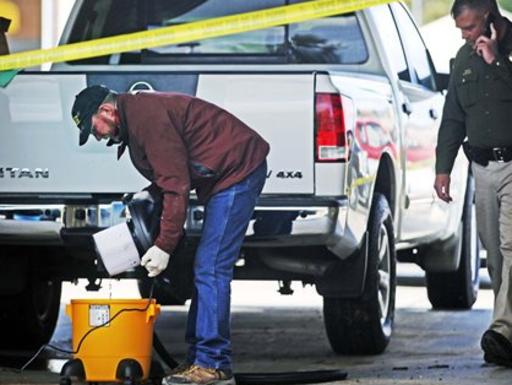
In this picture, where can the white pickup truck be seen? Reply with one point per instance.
(350, 105)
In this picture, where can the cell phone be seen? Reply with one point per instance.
(489, 21)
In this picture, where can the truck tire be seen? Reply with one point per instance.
(364, 325)
(459, 289)
(28, 319)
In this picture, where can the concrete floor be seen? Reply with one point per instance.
(285, 333)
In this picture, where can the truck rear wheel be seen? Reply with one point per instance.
(28, 319)
(364, 325)
(459, 289)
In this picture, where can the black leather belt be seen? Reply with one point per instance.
(483, 156)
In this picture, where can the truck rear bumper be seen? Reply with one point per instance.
(30, 224)
(30, 232)
(276, 222)
(286, 222)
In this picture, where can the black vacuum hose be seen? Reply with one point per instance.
(290, 378)
(279, 378)
(163, 353)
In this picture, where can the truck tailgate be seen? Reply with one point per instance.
(39, 152)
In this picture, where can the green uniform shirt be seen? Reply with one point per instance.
(478, 103)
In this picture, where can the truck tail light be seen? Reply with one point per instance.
(332, 119)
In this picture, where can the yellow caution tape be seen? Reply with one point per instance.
(203, 29)
(358, 182)
(362, 181)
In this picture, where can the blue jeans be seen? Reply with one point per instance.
(227, 215)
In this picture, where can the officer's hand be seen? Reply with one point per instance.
(155, 261)
(442, 187)
(487, 47)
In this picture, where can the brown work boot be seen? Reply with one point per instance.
(196, 375)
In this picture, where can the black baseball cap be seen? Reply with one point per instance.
(85, 106)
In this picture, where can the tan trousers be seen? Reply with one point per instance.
(494, 221)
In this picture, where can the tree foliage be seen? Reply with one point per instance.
(434, 9)
(506, 5)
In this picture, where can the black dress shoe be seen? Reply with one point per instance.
(497, 349)
(490, 359)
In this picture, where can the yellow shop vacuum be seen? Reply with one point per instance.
(112, 340)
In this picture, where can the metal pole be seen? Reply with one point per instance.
(4, 27)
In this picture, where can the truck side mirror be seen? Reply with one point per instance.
(452, 63)
(4, 27)
(442, 81)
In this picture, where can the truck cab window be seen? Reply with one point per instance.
(261, 42)
(105, 18)
(414, 47)
(333, 40)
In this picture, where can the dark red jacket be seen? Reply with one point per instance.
(182, 143)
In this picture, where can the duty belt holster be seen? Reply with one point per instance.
(483, 156)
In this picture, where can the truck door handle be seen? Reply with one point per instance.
(433, 113)
(407, 108)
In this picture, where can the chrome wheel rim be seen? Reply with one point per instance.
(384, 273)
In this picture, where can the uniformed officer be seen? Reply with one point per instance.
(479, 107)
